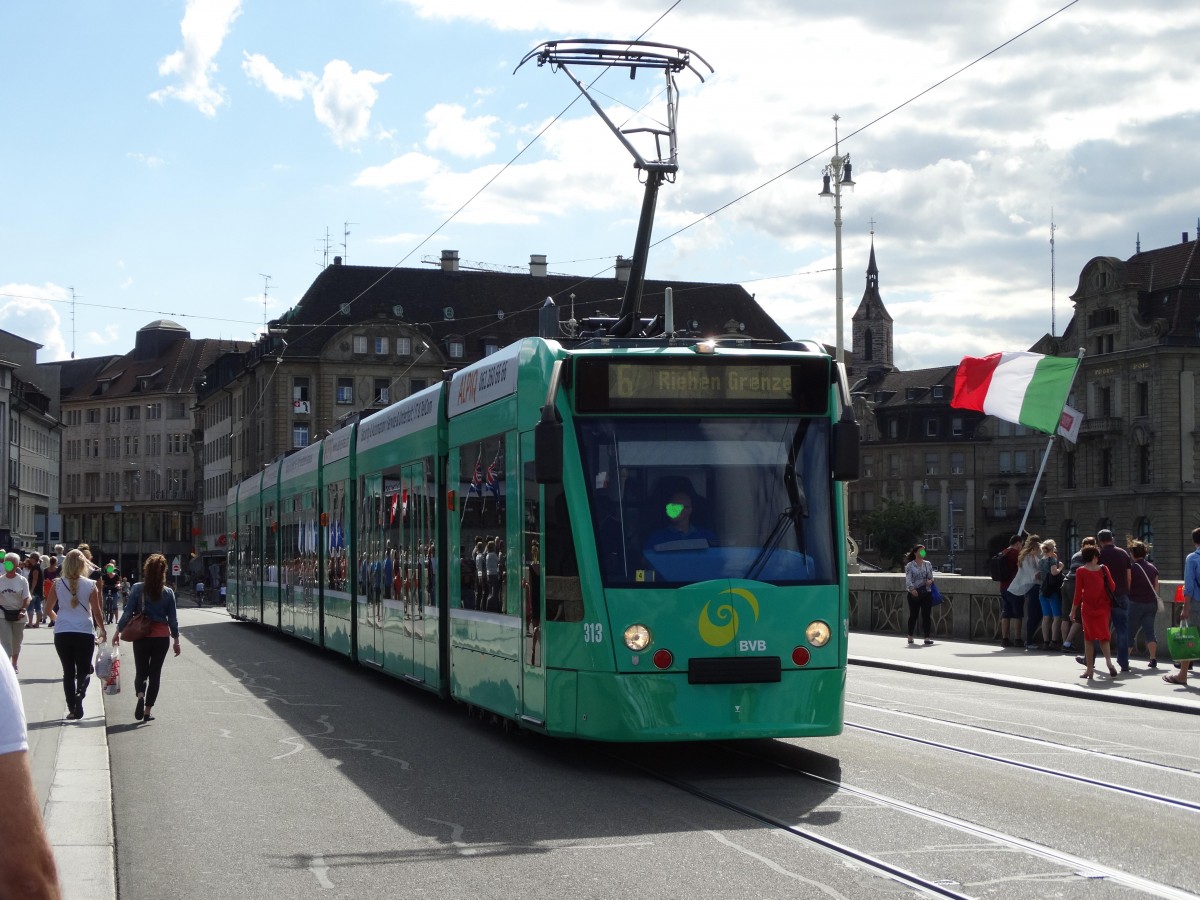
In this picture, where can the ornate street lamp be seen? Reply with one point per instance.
(837, 174)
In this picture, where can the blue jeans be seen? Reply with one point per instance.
(1142, 615)
(1120, 624)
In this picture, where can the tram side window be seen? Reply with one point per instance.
(335, 532)
(564, 598)
(483, 524)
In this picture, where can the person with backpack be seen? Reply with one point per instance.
(1012, 606)
(1051, 570)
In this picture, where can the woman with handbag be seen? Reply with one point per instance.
(1144, 604)
(149, 622)
(918, 582)
(14, 602)
(77, 599)
(1093, 596)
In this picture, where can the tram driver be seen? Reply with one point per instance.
(679, 533)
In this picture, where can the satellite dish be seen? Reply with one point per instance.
(448, 312)
(345, 309)
(398, 311)
(500, 314)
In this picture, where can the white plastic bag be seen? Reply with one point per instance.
(104, 661)
(112, 681)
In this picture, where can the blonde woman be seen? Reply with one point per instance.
(152, 596)
(1025, 584)
(1051, 570)
(79, 615)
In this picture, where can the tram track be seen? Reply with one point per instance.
(1071, 865)
(1082, 867)
(1125, 790)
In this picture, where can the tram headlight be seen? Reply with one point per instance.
(637, 637)
(818, 634)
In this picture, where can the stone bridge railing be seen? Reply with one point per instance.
(970, 611)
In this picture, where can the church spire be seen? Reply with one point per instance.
(871, 325)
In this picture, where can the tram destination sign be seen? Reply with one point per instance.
(707, 385)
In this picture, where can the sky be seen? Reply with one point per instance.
(202, 160)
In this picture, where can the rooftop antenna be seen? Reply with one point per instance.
(326, 245)
(631, 55)
(266, 286)
(346, 241)
(73, 297)
(1052, 230)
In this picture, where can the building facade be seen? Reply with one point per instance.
(129, 477)
(1133, 468)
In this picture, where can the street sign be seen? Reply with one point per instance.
(175, 570)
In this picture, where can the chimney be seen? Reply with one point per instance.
(337, 260)
(537, 265)
(449, 260)
(1185, 240)
(623, 267)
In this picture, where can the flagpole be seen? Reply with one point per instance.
(1046, 455)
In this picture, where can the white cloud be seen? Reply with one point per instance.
(411, 168)
(148, 160)
(452, 131)
(261, 70)
(342, 101)
(32, 311)
(205, 25)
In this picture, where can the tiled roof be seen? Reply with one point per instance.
(498, 306)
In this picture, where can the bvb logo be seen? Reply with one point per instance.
(719, 629)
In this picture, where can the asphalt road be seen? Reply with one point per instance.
(274, 770)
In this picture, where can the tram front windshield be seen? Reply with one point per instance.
(681, 500)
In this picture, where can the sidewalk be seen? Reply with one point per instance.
(1033, 670)
(70, 771)
(71, 767)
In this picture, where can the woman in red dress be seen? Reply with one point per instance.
(1092, 586)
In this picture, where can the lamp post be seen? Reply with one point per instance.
(837, 173)
(951, 520)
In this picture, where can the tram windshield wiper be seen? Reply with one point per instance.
(793, 514)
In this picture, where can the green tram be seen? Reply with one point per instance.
(631, 540)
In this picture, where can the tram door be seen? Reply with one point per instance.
(370, 566)
(533, 662)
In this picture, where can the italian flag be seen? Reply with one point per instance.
(1026, 388)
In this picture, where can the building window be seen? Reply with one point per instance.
(868, 467)
(1104, 400)
(360, 344)
(939, 392)
(300, 388)
(112, 414)
(93, 415)
(403, 346)
(893, 429)
(956, 463)
(1104, 343)
(1143, 398)
(1144, 464)
(1005, 461)
(382, 389)
(893, 465)
(931, 463)
(345, 390)
(299, 434)
(1000, 501)
(1069, 471)
(931, 427)
(956, 426)
(455, 347)
(381, 346)
(1020, 461)
(1106, 467)
(417, 384)
(153, 410)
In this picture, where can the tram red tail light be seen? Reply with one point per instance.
(663, 659)
(800, 656)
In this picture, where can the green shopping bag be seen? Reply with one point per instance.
(1184, 642)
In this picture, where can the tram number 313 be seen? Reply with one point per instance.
(593, 633)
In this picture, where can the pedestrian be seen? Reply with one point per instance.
(918, 581)
(1191, 592)
(199, 592)
(1025, 584)
(77, 600)
(48, 577)
(1120, 566)
(1012, 605)
(1093, 606)
(1050, 596)
(14, 601)
(33, 565)
(1143, 599)
(26, 858)
(151, 596)
(110, 581)
(1073, 631)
